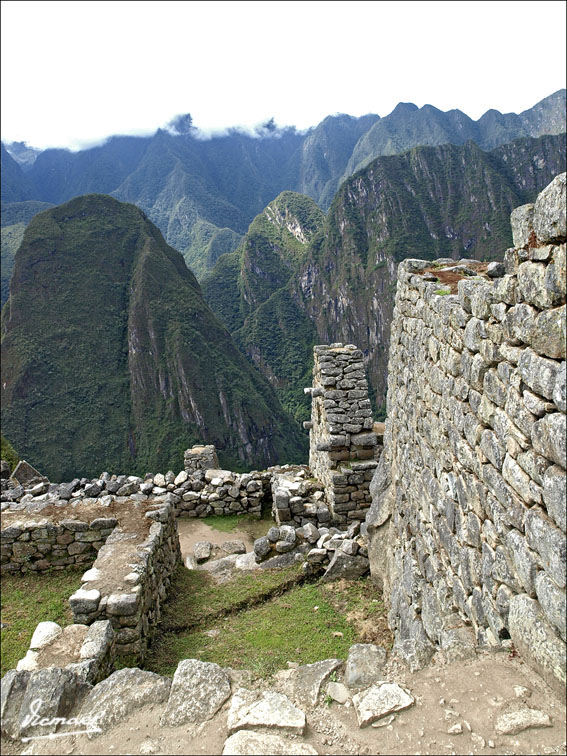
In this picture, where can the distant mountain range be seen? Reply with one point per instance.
(192, 187)
(113, 355)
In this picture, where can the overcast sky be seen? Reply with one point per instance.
(75, 72)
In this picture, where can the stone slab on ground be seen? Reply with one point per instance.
(248, 710)
(50, 693)
(338, 692)
(307, 680)
(364, 665)
(44, 633)
(379, 700)
(198, 691)
(518, 716)
(344, 566)
(249, 743)
(123, 693)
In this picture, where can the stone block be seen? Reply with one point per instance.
(521, 220)
(537, 642)
(549, 218)
(549, 542)
(549, 438)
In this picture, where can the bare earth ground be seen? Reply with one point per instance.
(472, 693)
(192, 531)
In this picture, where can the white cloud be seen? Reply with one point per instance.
(75, 72)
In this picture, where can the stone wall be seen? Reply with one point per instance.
(343, 447)
(37, 546)
(467, 525)
(129, 580)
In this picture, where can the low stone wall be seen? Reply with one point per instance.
(129, 581)
(467, 526)
(28, 546)
(343, 446)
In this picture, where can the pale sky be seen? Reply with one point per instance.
(76, 72)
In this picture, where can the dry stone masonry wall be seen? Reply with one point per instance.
(343, 446)
(467, 525)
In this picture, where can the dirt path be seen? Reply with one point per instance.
(472, 694)
(193, 530)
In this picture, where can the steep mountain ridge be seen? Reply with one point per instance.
(112, 360)
(183, 181)
(430, 202)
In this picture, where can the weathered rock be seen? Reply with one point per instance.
(549, 438)
(536, 641)
(548, 333)
(25, 474)
(338, 692)
(44, 634)
(555, 494)
(234, 547)
(518, 716)
(521, 220)
(308, 679)
(364, 665)
(51, 693)
(249, 743)
(98, 640)
(269, 710)
(262, 547)
(121, 694)
(344, 566)
(380, 700)
(202, 550)
(12, 690)
(84, 601)
(198, 691)
(552, 601)
(549, 219)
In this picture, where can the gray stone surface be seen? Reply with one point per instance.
(521, 220)
(308, 679)
(378, 701)
(549, 220)
(58, 692)
(202, 550)
(267, 710)
(12, 690)
(344, 566)
(234, 547)
(249, 743)
(365, 664)
(44, 634)
(537, 642)
(198, 691)
(338, 692)
(518, 716)
(123, 693)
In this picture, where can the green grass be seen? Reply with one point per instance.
(29, 599)
(228, 523)
(262, 638)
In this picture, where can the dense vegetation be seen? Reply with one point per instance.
(112, 360)
(8, 453)
(191, 187)
(429, 202)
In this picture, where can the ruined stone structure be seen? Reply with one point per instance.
(200, 458)
(342, 445)
(467, 526)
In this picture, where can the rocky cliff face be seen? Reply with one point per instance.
(111, 358)
(430, 202)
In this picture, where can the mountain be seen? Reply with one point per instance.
(429, 202)
(249, 291)
(112, 360)
(192, 187)
(23, 154)
(408, 126)
(15, 218)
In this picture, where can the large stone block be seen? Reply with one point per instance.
(549, 218)
(521, 220)
(537, 642)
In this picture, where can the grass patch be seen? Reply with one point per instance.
(196, 598)
(264, 637)
(29, 599)
(255, 527)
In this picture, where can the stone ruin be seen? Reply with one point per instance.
(461, 517)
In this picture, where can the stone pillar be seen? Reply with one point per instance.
(200, 458)
(343, 446)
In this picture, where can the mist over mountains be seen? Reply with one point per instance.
(295, 238)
